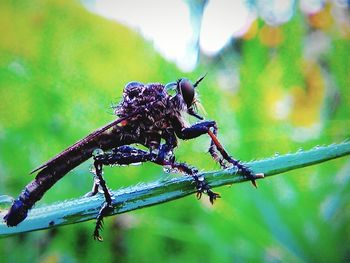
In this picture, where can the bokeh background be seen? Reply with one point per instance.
(278, 78)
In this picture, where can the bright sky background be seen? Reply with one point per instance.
(168, 25)
(165, 23)
(223, 20)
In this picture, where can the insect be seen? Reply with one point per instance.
(148, 115)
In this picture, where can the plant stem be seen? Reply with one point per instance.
(148, 194)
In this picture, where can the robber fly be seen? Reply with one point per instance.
(147, 115)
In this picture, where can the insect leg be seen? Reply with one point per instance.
(195, 130)
(246, 171)
(166, 150)
(166, 158)
(205, 127)
(107, 206)
(202, 185)
(122, 155)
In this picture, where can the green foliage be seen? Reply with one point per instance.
(60, 69)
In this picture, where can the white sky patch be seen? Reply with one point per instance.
(311, 6)
(222, 20)
(276, 12)
(166, 23)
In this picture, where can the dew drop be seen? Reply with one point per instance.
(200, 178)
(97, 152)
(96, 180)
(166, 169)
(5, 202)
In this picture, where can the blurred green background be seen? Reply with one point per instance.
(61, 67)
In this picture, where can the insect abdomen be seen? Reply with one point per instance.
(19, 209)
(55, 170)
(31, 194)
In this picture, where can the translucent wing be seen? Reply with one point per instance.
(84, 141)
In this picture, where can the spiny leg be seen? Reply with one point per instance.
(204, 127)
(121, 155)
(107, 205)
(202, 185)
(214, 154)
(166, 159)
(128, 155)
(166, 150)
(246, 171)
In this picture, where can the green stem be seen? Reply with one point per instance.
(143, 195)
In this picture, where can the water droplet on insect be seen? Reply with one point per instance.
(200, 178)
(97, 152)
(277, 154)
(317, 147)
(96, 180)
(166, 169)
(136, 164)
(169, 169)
(300, 150)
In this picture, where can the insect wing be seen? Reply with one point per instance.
(83, 141)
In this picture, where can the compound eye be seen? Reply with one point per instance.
(187, 91)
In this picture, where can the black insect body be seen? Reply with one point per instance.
(148, 115)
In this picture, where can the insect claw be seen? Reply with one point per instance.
(98, 237)
(257, 176)
(199, 195)
(254, 183)
(213, 196)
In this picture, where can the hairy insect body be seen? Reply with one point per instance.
(147, 125)
(147, 115)
(155, 121)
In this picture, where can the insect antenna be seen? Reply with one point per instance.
(199, 80)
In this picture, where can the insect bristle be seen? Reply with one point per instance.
(199, 106)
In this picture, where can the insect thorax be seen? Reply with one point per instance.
(156, 107)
